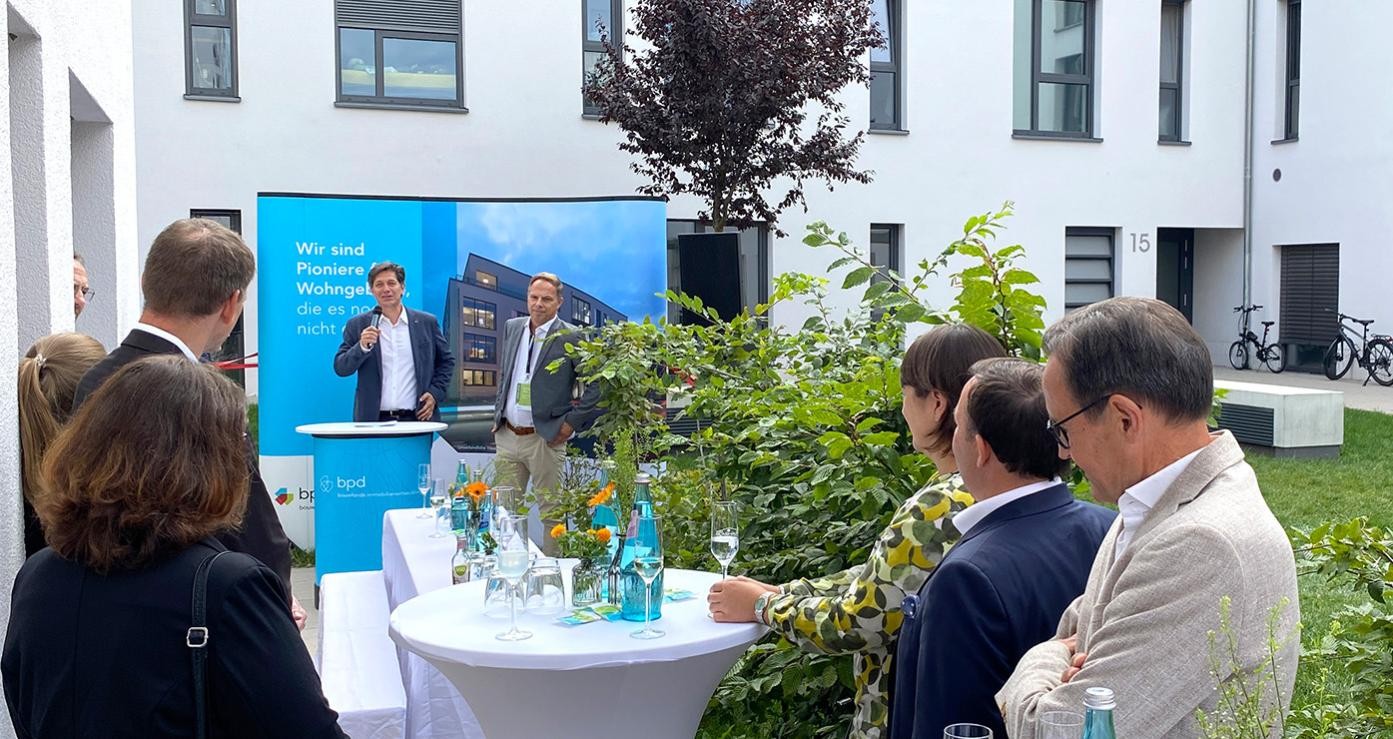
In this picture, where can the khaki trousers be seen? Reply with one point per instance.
(521, 459)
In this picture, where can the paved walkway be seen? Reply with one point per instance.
(1371, 397)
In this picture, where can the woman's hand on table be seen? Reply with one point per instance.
(733, 600)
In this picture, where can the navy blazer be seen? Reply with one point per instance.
(431, 354)
(999, 591)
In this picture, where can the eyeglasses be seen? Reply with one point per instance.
(86, 292)
(1061, 434)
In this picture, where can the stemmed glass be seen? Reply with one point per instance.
(725, 534)
(504, 504)
(423, 484)
(648, 562)
(1061, 725)
(512, 565)
(439, 510)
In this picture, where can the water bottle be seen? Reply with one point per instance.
(631, 585)
(460, 564)
(1098, 704)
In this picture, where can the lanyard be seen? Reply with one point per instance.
(531, 346)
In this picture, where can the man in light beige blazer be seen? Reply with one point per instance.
(1130, 384)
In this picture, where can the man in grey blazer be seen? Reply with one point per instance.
(1130, 385)
(401, 358)
(538, 410)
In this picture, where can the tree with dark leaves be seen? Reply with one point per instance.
(735, 101)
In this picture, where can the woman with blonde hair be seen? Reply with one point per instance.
(135, 620)
(48, 376)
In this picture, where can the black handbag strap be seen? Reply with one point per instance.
(197, 641)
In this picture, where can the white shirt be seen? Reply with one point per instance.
(398, 365)
(517, 414)
(1139, 499)
(171, 338)
(973, 514)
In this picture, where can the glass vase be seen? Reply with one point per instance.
(586, 579)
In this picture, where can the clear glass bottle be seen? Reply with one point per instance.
(1098, 704)
(460, 565)
(631, 585)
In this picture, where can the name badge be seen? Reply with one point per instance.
(524, 394)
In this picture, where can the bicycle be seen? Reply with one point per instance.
(1269, 354)
(1376, 356)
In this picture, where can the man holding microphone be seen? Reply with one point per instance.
(401, 358)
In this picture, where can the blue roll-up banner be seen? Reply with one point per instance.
(467, 263)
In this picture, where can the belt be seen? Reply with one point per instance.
(397, 415)
(520, 430)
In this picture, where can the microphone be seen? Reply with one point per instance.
(376, 319)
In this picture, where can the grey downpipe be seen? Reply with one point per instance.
(1248, 156)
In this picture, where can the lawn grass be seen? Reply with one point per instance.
(1306, 493)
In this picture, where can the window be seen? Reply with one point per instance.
(885, 247)
(399, 53)
(210, 49)
(1088, 268)
(234, 346)
(754, 264)
(1172, 68)
(1293, 69)
(478, 313)
(886, 78)
(1054, 91)
(580, 311)
(477, 378)
(603, 20)
(479, 348)
(485, 279)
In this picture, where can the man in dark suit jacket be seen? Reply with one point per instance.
(538, 410)
(1026, 549)
(195, 282)
(403, 362)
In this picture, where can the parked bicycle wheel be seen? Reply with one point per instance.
(1338, 358)
(1381, 361)
(1238, 355)
(1275, 358)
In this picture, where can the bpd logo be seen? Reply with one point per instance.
(284, 497)
(343, 484)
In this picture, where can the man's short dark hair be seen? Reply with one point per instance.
(548, 278)
(1138, 347)
(1007, 408)
(381, 267)
(194, 266)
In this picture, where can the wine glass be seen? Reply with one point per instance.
(512, 564)
(505, 503)
(439, 509)
(423, 481)
(725, 534)
(966, 731)
(648, 562)
(1061, 725)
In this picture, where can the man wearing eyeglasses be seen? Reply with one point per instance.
(82, 294)
(1131, 386)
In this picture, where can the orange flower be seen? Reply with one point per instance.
(601, 535)
(476, 490)
(601, 497)
(558, 530)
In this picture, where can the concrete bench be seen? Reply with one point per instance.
(357, 660)
(1284, 421)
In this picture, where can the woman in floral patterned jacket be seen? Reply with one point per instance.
(857, 611)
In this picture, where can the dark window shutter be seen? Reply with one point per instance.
(1310, 293)
(423, 16)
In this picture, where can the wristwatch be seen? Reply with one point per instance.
(761, 603)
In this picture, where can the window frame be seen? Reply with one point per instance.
(895, 17)
(1179, 85)
(1291, 114)
(479, 307)
(380, 78)
(193, 18)
(579, 316)
(616, 14)
(1087, 79)
(470, 340)
(1111, 259)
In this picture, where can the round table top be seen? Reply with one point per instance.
(449, 624)
(370, 428)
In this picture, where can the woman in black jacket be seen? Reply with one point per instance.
(147, 471)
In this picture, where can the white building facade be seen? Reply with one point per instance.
(1118, 129)
(68, 185)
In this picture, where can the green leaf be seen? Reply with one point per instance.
(1016, 276)
(857, 276)
(881, 438)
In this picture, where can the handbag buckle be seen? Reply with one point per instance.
(197, 637)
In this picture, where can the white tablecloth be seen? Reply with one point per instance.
(358, 663)
(566, 681)
(412, 564)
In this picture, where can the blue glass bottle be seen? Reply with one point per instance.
(458, 510)
(632, 594)
(1098, 706)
